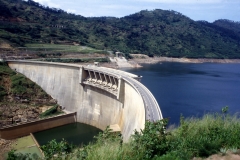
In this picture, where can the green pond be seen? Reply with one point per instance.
(75, 133)
(25, 145)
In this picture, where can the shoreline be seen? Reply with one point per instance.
(139, 60)
(154, 60)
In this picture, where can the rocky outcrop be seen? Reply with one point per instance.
(16, 114)
(5, 146)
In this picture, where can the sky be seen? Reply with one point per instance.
(208, 10)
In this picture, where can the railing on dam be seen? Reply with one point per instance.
(100, 79)
(105, 78)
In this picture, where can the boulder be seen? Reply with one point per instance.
(53, 101)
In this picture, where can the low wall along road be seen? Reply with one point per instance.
(101, 96)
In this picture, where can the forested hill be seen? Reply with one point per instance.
(157, 32)
(227, 24)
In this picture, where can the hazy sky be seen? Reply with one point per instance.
(208, 10)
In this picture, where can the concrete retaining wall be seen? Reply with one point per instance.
(94, 106)
(24, 129)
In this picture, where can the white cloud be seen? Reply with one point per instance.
(118, 7)
(196, 9)
(48, 3)
(182, 1)
(71, 11)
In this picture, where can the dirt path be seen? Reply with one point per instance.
(227, 156)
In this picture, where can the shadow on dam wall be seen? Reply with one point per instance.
(100, 96)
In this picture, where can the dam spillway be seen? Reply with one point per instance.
(101, 96)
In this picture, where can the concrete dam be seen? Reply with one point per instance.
(101, 96)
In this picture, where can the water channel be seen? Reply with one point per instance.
(75, 133)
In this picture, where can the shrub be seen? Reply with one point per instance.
(49, 112)
(128, 56)
(5, 70)
(206, 136)
(19, 84)
(3, 63)
(56, 148)
(152, 140)
(76, 60)
(195, 137)
(43, 55)
(12, 155)
(108, 145)
(2, 92)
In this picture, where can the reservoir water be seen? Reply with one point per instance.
(75, 133)
(180, 88)
(192, 89)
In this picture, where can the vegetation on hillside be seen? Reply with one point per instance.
(16, 86)
(158, 32)
(228, 24)
(55, 110)
(59, 48)
(75, 60)
(195, 137)
(20, 98)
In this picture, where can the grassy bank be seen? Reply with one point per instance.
(211, 134)
(75, 60)
(214, 133)
(17, 85)
(63, 48)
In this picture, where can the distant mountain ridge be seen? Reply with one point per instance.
(158, 32)
(228, 24)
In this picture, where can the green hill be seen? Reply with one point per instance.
(158, 32)
(227, 24)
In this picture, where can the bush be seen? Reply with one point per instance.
(5, 70)
(152, 140)
(56, 148)
(3, 63)
(2, 92)
(128, 56)
(168, 156)
(195, 137)
(76, 60)
(19, 84)
(43, 55)
(49, 112)
(112, 148)
(206, 136)
(12, 155)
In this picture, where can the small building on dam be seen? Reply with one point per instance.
(100, 96)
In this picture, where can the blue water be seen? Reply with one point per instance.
(192, 89)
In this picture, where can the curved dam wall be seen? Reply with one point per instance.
(101, 97)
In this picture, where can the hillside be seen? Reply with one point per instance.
(20, 99)
(158, 32)
(227, 24)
